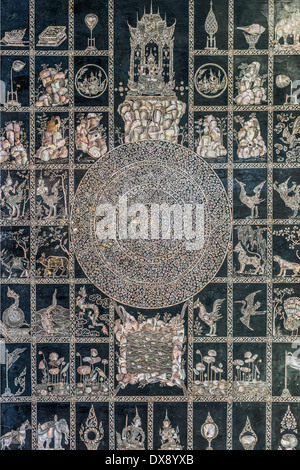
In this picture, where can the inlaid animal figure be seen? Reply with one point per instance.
(288, 27)
(245, 260)
(13, 316)
(51, 200)
(249, 309)
(12, 262)
(210, 318)
(54, 124)
(291, 200)
(287, 266)
(53, 264)
(52, 430)
(13, 196)
(291, 138)
(17, 437)
(251, 201)
(46, 316)
(90, 308)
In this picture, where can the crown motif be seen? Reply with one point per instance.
(248, 438)
(90, 433)
(289, 422)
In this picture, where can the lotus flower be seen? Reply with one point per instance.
(18, 65)
(91, 21)
(84, 370)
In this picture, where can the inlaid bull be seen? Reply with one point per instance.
(54, 264)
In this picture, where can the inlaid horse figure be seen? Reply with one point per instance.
(17, 437)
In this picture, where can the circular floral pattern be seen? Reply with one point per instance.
(147, 272)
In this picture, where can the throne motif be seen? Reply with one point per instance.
(151, 109)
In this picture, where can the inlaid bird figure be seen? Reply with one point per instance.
(290, 138)
(249, 309)
(210, 318)
(251, 201)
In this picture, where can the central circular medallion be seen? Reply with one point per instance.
(151, 224)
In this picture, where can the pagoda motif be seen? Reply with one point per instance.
(289, 431)
(151, 109)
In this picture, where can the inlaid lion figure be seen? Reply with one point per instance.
(287, 266)
(244, 259)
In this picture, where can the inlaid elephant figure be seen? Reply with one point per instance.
(53, 430)
(286, 28)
